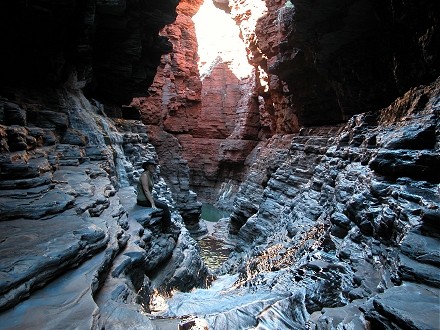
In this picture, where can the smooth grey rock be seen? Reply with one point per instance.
(287, 313)
(348, 316)
(65, 303)
(421, 248)
(50, 202)
(420, 272)
(409, 306)
(46, 248)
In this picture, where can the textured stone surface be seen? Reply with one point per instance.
(215, 113)
(70, 225)
(337, 226)
(176, 87)
(176, 172)
(262, 33)
(353, 237)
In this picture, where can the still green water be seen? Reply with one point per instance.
(214, 250)
(213, 214)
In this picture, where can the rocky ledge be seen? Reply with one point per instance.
(345, 228)
(337, 227)
(69, 222)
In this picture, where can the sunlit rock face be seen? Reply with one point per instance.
(261, 32)
(337, 228)
(176, 85)
(203, 96)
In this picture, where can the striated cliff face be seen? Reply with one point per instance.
(324, 62)
(311, 65)
(337, 228)
(210, 108)
(74, 245)
(176, 84)
(69, 221)
(334, 225)
(334, 222)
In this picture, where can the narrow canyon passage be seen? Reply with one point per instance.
(213, 111)
(298, 145)
(236, 129)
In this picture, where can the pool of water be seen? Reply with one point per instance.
(212, 214)
(214, 246)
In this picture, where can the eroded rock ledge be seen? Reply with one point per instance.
(339, 223)
(69, 221)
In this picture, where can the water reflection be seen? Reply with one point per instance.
(213, 251)
(214, 247)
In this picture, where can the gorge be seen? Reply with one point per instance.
(315, 124)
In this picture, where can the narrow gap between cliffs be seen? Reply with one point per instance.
(215, 247)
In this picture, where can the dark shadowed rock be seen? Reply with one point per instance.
(13, 114)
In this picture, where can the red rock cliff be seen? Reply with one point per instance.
(313, 64)
(195, 118)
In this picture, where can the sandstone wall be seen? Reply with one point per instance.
(185, 115)
(314, 64)
(217, 116)
(262, 34)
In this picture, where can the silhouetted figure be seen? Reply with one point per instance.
(144, 193)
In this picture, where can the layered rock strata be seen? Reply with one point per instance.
(176, 83)
(215, 116)
(69, 221)
(313, 65)
(331, 239)
(342, 229)
(262, 34)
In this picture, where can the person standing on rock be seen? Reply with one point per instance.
(144, 193)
